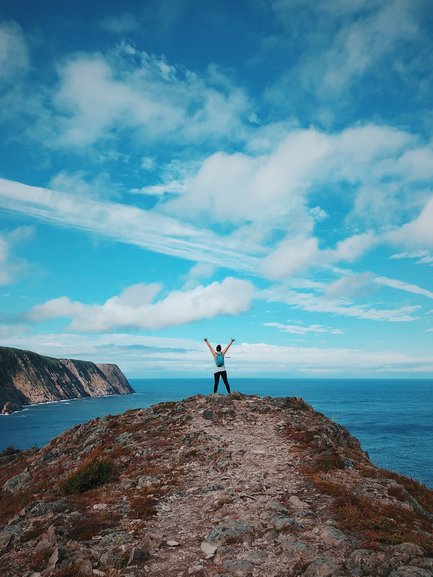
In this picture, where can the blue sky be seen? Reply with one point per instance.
(172, 170)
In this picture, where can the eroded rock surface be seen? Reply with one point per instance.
(26, 378)
(228, 486)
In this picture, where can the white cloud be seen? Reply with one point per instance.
(14, 55)
(318, 213)
(351, 248)
(121, 23)
(418, 232)
(132, 90)
(276, 190)
(293, 255)
(173, 187)
(417, 164)
(272, 188)
(303, 330)
(201, 270)
(135, 307)
(197, 273)
(148, 163)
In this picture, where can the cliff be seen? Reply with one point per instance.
(26, 378)
(211, 486)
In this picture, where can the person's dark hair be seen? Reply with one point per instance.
(218, 348)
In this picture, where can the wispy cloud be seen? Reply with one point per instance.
(123, 223)
(342, 45)
(404, 286)
(303, 330)
(79, 183)
(343, 307)
(10, 266)
(14, 54)
(121, 23)
(363, 284)
(365, 42)
(421, 256)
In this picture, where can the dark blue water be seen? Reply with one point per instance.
(392, 419)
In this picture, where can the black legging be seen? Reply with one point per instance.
(216, 377)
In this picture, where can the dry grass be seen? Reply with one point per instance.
(71, 570)
(328, 462)
(34, 532)
(39, 559)
(143, 506)
(377, 522)
(164, 407)
(92, 525)
(12, 469)
(417, 490)
(302, 436)
(9, 507)
(133, 427)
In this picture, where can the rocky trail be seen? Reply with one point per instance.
(230, 486)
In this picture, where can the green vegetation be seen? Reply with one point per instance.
(93, 474)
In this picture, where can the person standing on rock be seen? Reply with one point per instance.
(220, 370)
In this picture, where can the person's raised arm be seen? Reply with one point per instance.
(228, 346)
(210, 347)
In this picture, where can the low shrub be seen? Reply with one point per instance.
(9, 451)
(93, 474)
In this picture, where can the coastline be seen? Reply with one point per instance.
(392, 419)
(26, 407)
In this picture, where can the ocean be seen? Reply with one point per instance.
(392, 418)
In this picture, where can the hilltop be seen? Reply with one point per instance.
(27, 378)
(230, 486)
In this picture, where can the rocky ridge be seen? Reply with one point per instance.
(230, 486)
(27, 378)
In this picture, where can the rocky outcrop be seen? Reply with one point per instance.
(211, 486)
(27, 378)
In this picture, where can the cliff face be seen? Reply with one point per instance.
(26, 378)
(211, 486)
